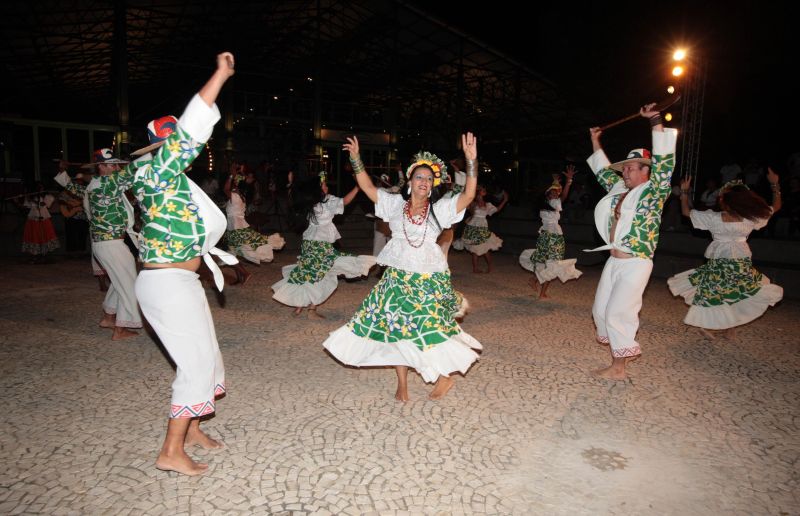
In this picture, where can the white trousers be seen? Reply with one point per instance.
(115, 257)
(617, 303)
(175, 305)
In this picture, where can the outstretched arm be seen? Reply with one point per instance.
(350, 195)
(470, 146)
(363, 180)
(686, 183)
(774, 183)
(569, 173)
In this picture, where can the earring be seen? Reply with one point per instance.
(409, 189)
(430, 192)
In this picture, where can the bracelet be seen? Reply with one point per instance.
(358, 165)
(472, 168)
(684, 192)
(656, 120)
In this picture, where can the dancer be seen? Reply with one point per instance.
(547, 261)
(628, 219)
(407, 320)
(477, 238)
(242, 239)
(39, 236)
(181, 225)
(309, 282)
(110, 219)
(727, 291)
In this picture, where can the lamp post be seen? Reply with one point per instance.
(691, 71)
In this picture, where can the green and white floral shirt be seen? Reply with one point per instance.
(109, 215)
(174, 214)
(640, 213)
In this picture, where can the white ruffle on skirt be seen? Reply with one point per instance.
(724, 316)
(305, 294)
(264, 252)
(493, 243)
(563, 270)
(454, 354)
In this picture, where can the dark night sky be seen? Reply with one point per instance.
(611, 57)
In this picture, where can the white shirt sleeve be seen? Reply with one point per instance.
(446, 213)
(388, 204)
(703, 219)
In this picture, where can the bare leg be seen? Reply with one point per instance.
(241, 274)
(312, 313)
(707, 334)
(196, 437)
(488, 258)
(123, 333)
(101, 281)
(297, 311)
(474, 263)
(543, 292)
(172, 456)
(534, 283)
(402, 383)
(616, 371)
(108, 321)
(730, 334)
(443, 385)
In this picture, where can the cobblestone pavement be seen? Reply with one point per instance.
(700, 428)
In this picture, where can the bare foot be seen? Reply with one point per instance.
(443, 385)
(610, 373)
(707, 334)
(297, 311)
(543, 296)
(730, 334)
(123, 333)
(108, 321)
(201, 439)
(312, 314)
(182, 463)
(534, 284)
(401, 394)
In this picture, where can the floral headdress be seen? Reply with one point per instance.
(323, 177)
(431, 160)
(555, 186)
(730, 184)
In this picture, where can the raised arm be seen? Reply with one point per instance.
(351, 195)
(470, 145)
(686, 183)
(774, 184)
(363, 180)
(210, 91)
(599, 163)
(569, 173)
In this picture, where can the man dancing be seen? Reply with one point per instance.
(628, 219)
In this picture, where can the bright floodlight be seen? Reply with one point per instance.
(677, 71)
(671, 90)
(679, 54)
(668, 117)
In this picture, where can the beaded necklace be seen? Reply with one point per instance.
(417, 221)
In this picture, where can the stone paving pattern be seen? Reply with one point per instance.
(700, 428)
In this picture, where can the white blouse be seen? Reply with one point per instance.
(321, 227)
(730, 238)
(425, 256)
(550, 218)
(235, 209)
(479, 214)
(39, 206)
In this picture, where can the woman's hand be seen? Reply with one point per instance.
(470, 146)
(352, 147)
